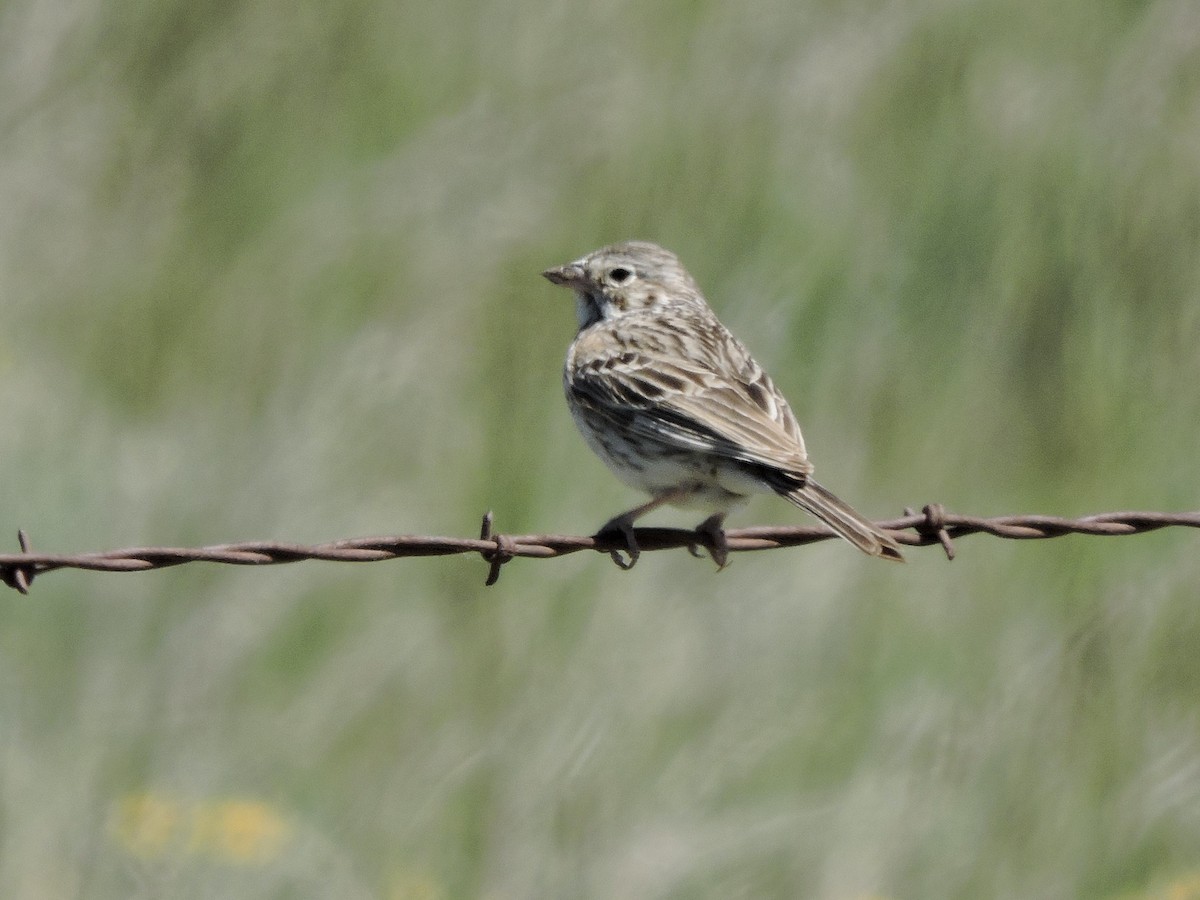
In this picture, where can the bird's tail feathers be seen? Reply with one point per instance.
(838, 515)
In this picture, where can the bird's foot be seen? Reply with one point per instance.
(623, 526)
(717, 544)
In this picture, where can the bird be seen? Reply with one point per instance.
(677, 407)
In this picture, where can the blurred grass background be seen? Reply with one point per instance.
(269, 270)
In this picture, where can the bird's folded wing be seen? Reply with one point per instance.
(693, 408)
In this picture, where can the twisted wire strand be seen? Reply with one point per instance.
(933, 525)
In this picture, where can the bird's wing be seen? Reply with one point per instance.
(718, 402)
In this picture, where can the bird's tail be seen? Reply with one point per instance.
(839, 516)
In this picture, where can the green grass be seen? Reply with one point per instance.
(270, 271)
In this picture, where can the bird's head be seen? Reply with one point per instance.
(625, 278)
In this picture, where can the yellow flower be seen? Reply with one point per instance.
(239, 831)
(242, 832)
(1186, 888)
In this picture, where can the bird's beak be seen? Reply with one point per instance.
(571, 274)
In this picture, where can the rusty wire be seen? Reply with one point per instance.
(933, 525)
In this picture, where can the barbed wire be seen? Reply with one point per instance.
(933, 525)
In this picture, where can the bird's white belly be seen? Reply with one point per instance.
(706, 480)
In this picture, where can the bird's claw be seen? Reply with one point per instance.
(625, 530)
(620, 561)
(717, 543)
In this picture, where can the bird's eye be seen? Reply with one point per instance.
(620, 275)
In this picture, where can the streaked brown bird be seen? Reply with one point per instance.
(676, 406)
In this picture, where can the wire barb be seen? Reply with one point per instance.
(933, 525)
(498, 557)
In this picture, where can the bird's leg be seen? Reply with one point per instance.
(623, 525)
(718, 546)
